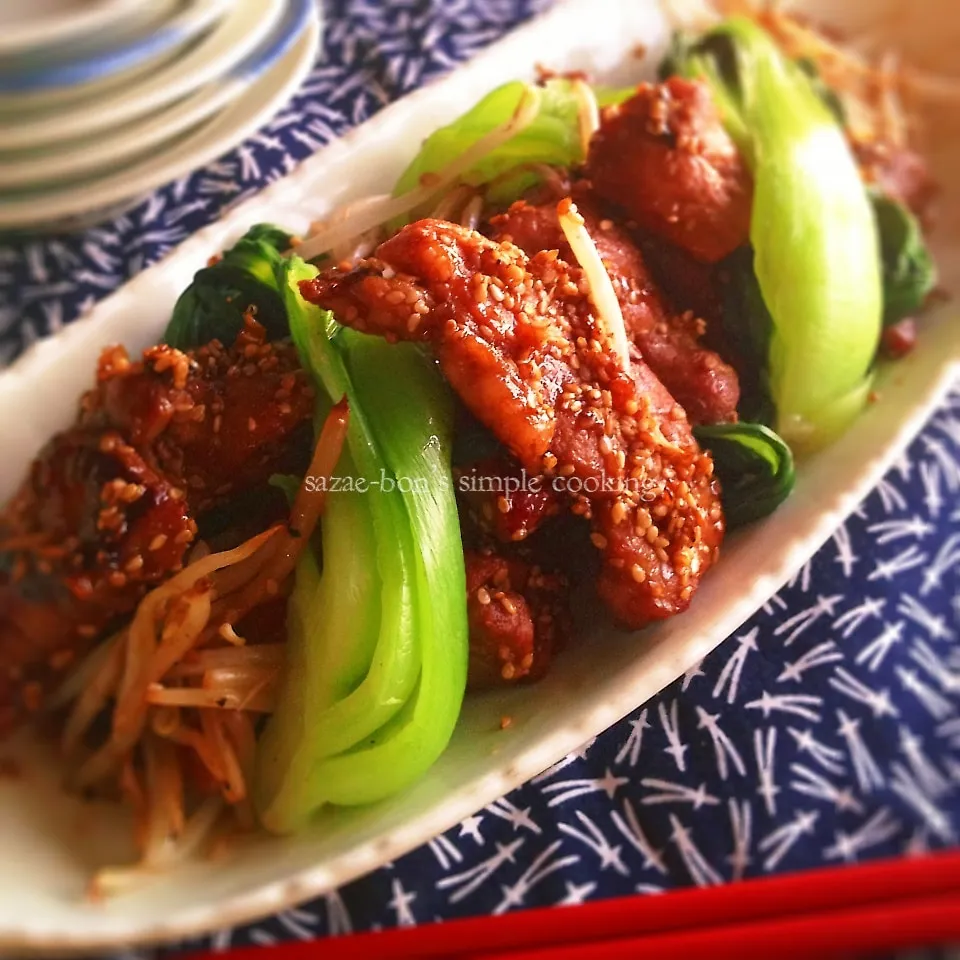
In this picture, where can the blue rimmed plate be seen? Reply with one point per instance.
(236, 36)
(279, 66)
(66, 162)
(48, 71)
(30, 24)
(17, 106)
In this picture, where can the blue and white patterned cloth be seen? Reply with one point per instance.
(826, 731)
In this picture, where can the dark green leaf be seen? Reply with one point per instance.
(677, 55)
(717, 47)
(720, 49)
(755, 467)
(213, 306)
(909, 273)
(747, 327)
(270, 234)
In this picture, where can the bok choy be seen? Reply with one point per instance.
(553, 137)
(813, 231)
(377, 637)
(909, 273)
(214, 304)
(755, 468)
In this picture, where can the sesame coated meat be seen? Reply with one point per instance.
(216, 420)
(664, 157)
(517, 338)
(504, 501)
(110, 507)
(517, 615)
(669, 342)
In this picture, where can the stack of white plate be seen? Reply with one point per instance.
(103, 100)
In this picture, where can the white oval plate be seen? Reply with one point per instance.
(28, 24)
(50, 842)
(233, 38)
(112, 149)
(178, 156)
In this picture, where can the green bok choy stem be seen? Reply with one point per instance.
(813, 231)
(415, 430)
(378, 638)
(552, 138)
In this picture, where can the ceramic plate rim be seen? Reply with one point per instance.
(94, 66)
(267, 897)
(156, 130)
(79, 24)
(196, 69)
(228, 128)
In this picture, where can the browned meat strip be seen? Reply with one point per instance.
(705, 386)
(504, 501)
(536, 227)
(518, 340)
(91, 529)
(215, 420)
(686, 283)
(110, 507)
(517, 615)
(664, 157)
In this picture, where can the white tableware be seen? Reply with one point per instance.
(104, 155)
(57, 205)
(59, 78)
(237, 35)
(50, 842)
(28, 24)
(73, 66)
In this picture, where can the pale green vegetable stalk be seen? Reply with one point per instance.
(813, 232)
(551, 138)
(377, 640)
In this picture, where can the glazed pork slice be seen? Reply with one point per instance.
(665, 159)
(517, 338)
(517, 614)
(669, 342)
(216, 420)
(110, 507)
(503, 501)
